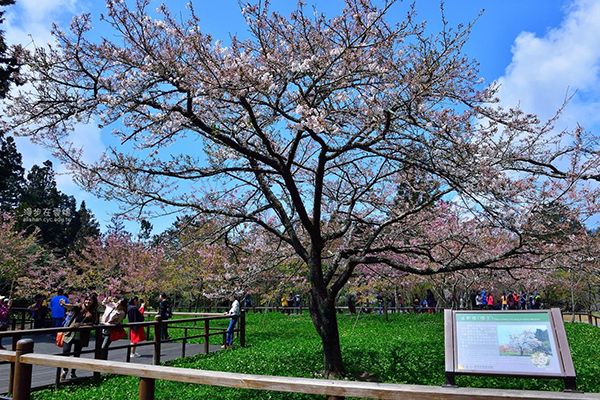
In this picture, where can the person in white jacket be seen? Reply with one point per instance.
(234, 312)
(114, 314)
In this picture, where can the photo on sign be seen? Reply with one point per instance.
(532, 341)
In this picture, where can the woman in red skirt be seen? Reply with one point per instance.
(137, 334)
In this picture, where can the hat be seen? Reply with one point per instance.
(2, 297)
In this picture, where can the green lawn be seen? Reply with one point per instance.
(405, 349)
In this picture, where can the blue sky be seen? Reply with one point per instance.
(539, 50)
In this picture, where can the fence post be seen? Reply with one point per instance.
(157, 340)
(206, 337)
(184, 342)
(147, 328)
(15, 340)
(22, 385)
(590, 317)
(243, 329)
(98, 349)
(146, 389)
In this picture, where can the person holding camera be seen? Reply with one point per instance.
(83, 314)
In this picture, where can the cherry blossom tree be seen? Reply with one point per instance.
(207, 261)
(351, 140)
(523, 341)
(116, 265)
(26, 268)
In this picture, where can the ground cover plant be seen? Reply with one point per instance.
(406, 348)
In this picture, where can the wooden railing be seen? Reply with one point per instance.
(21, 317)
(592, 319)
(153, 327)
(24, 359)
(339, 309)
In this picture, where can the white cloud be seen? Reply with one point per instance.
(29, 20)
(32, 19)
(566, 59)
(42, 11)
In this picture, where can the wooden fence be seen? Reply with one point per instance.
(591, 319)
(24, 359)
(153, 327)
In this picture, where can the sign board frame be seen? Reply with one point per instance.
(560, 357)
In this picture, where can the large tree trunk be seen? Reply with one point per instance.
(324, 318)
(323, 313)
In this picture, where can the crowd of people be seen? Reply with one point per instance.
(289, 302)
(477, 300)
(86, 313)
(512, 300)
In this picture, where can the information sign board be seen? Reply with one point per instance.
(519, 342)
(508, 343)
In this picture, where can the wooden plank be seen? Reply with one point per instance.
(7, 355)
(44, 376)
(300, 385)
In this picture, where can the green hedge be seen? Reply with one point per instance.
(406, 348)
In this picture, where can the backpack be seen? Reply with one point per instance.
(537, 300)
(169, 313)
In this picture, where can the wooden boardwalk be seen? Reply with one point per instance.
(44, 376)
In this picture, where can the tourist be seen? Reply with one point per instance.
(164, 310)
(351, 304)
(537, 300)
(58, 311)
(484, 299)
(234, 312)
(511, 301)
(5, 306)
(473, 299)
(82, 315)
(290, 302)
(247, 300)
(38, 312)
(297, 301)
(504, 301)
(430, 301)
(479, 300)
(136, 333)
(380, 303)
(113, 315)
(523, 301)
(284, 304)
(490, 301)
(416, 304)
